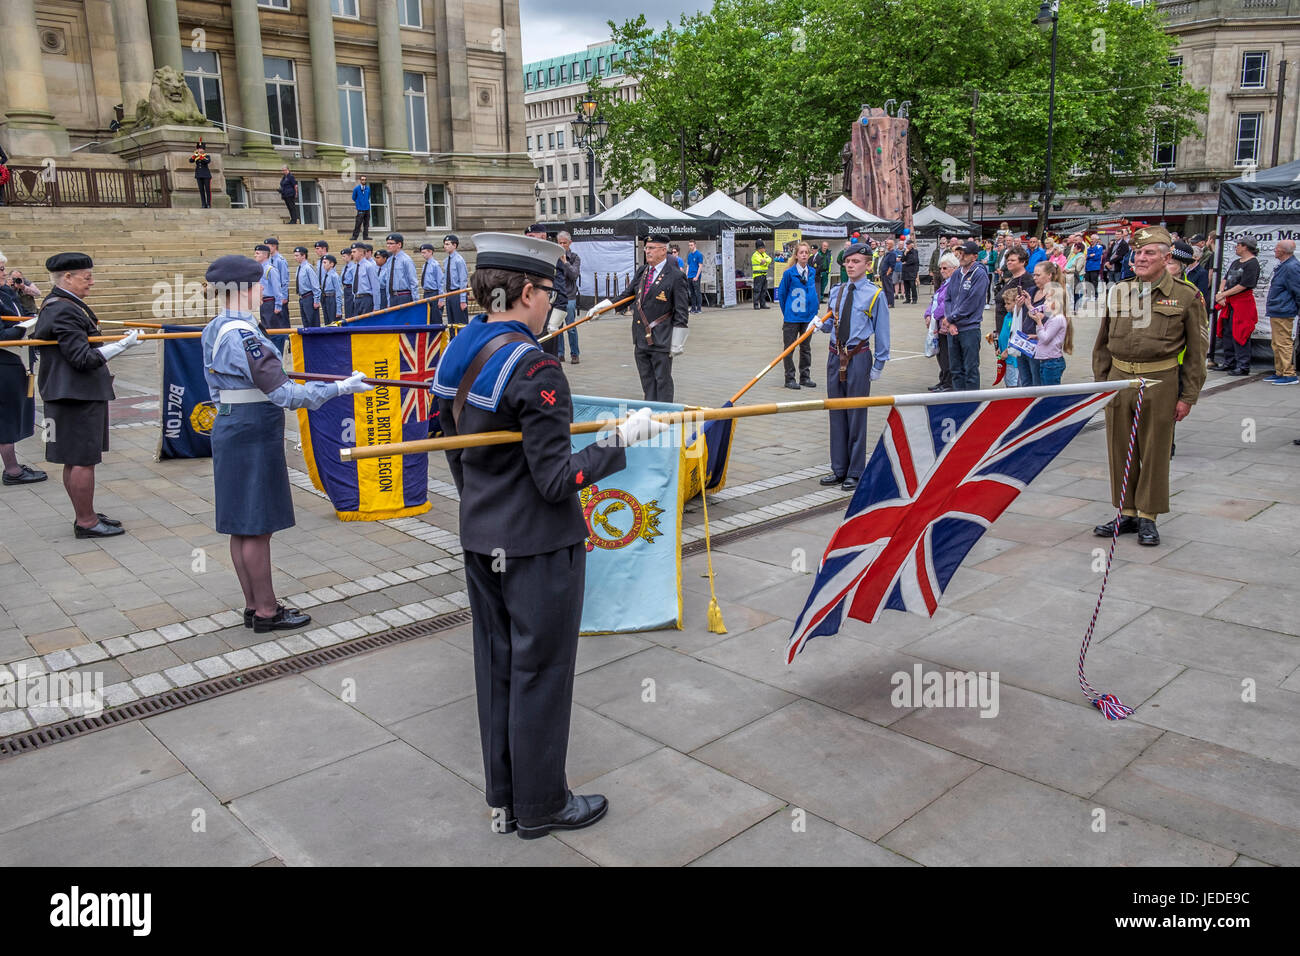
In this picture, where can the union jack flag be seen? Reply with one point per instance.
(419, 363)
(938, 477)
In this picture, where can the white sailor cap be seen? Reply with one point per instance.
(502, 250)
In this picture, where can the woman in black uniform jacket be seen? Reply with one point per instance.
(17, 408)
(522, 531)
(202, 174)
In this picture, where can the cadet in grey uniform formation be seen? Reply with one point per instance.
(523, 533)
(246, 378)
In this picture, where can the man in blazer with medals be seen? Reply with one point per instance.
(662, 296)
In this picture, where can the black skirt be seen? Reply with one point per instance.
(249, 471)
(78, 431)
(17, 411)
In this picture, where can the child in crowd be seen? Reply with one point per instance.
(1055, 335)
(1010, 321)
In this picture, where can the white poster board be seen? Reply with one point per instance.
(1267, 236)
(925, 249)
(728, 267)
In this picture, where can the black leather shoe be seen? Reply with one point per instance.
(1220, 367)
(849, 484)
(1128, 524)
(935, 388)
(1240, 371)
(829, 480)
(580, 811)
(792, 385)
(248, 616)
(26, 476)
(285, 619)
(99, 530)
(110, 521)
(808, 383)
(1295, 441)
(1147, 533)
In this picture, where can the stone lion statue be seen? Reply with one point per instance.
(170, 102)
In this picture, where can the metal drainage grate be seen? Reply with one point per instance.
(219, 686)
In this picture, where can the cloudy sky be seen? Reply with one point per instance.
(553, 27)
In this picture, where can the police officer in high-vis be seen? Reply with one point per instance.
(523, 532)
(1146, 322)
(660, 309)
(858, 312)
(246, 378)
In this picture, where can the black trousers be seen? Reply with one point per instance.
(349, 305)
(364, 303)
(328, 309)
(849, 428)
(205, 192)
(437, 304)
(789, 332)
(760, 292)
(695, 293)
(362, 224)
(909, 290)
(457, 314)
(945, 370)
(269, 319)
(656, 371)
(291, 203)
(400, 297)
(307, 309)
(887, 287)
(527, 611)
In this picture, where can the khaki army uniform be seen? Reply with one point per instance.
(1141, 335)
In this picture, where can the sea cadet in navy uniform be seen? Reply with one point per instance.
(523, 533)
(274, 295)
(659, 317)
(308, 289)
(858, 311)
(457, 274)
(349, 281)
(246, 378)
(431, 280)
(332, 290)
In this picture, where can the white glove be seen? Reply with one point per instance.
(556, 321)
(113, 349)
(875, 372)
(354, 383)
(679, 340)
(816, 324)
(639, 427)
(602, 304)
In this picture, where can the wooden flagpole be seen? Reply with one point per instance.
(776, 361)
(747, 411)
(586, 318)
(331, 377)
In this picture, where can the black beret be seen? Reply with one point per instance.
(381, 253)
(234, 270)
(657, 237)
(856, 249)
(261, 247)
(535, 227)
(302, 249)
(427, 245)
(271, 241)
(1199, 237)
(451, 237)
(395, 237)
(329, 257)
(322, 244)
(364, 247)
(68, 262)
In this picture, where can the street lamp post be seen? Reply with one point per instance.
(589, 129)
(1047, 15)
(1164, 187)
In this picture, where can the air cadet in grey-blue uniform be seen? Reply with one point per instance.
(400, 281)
(332, 293)
(367, 281)
(280, 262)
(272, 312)
(457, 274)
(431, 280)
(859, 311)
(247, 382)
(308, 289)
(523, 533)
(349, 282)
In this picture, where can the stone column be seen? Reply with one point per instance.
(392, 99)
(134, 53)
(165, 31)
(453, 77)
(252, 78)
(324, 78)
(30, 128)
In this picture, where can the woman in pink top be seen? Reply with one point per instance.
(1055, 335)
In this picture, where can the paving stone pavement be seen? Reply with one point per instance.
(740, 759)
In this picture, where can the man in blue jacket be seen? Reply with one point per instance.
(963, 308)
(1092, 265)
(694, 263)
(797, 297)
(361, 199)
(1281, 307)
